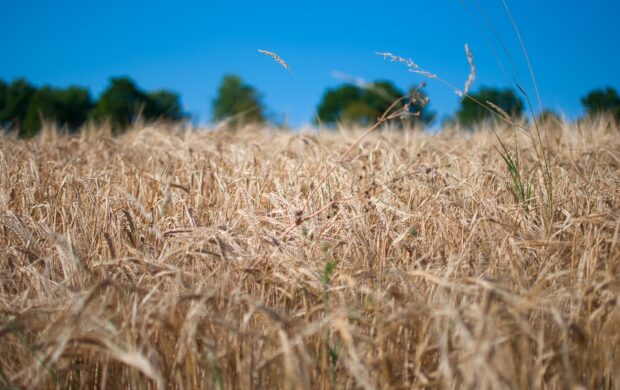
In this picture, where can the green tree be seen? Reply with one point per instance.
(123, 102)
(163, 104)
(237, 103)
(336, 100)
(351, 104)
(602, 101)
(120, 103)
(67, 107)
(475, 109)
(14, 101)
(76, 103)
(3, 88)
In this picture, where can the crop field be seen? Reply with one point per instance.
(171, 257)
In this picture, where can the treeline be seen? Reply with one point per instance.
(24, 107)
(363, 103)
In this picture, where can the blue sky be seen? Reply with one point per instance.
(187, 46)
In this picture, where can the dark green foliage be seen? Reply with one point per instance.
(123, 102)
(164, 104)
(22, 107)
(3, 88)
(237, 103)
(351, 104)
(602, 101)
(120, 103)
(475, 109)
(335, 101)
(66, 107)
(76, 104)
(14, 101)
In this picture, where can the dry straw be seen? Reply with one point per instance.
(276, 58)
(472, 71)
(415, 68)
(413, 269)
(408, 62)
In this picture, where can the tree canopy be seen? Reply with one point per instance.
(352, 104)
(602, 101)
(69, 107)
(475, 109)
(14, 101)
(23, 107)
(122, 102)
(163, 104)
(237, 103)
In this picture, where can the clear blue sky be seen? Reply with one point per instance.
(187, 46)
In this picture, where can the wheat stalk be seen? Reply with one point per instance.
(472, 72)
(429, 263)
(415, 68)
(408, 62)
(276, 57)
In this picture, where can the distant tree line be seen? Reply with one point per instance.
(23, 107)
(239, 103)
(478, 106)
(362, 105)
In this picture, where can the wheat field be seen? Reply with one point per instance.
(179, 258)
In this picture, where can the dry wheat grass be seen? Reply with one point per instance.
(158, 259)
